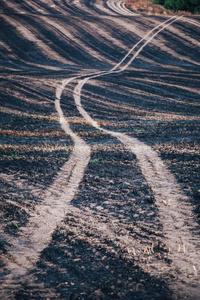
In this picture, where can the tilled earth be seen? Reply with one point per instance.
(110, 243)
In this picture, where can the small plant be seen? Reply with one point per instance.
(96, 160)
(14, 224)
(15, 155)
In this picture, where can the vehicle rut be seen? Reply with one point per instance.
(51, 211)
(173, 206)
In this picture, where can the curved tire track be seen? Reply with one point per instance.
(118, 7)
(51, 211)
(173, 206)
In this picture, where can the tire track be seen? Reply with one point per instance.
(175, 211)
(119, 7)
(42, 223)
(50, 212)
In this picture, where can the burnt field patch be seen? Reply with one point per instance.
(99, 152)
(97, 250)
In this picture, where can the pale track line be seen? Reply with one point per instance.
(50, 212)
(174, 210)
(65, 82)
(147, 42)
(118, 7)
(77, 90)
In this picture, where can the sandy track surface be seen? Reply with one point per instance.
(110, 222)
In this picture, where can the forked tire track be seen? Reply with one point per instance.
(36, 235)
(51, 211)
(175, 211)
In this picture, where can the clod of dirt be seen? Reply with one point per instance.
(3, 245)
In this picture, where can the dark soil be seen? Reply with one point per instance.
(110, 245)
